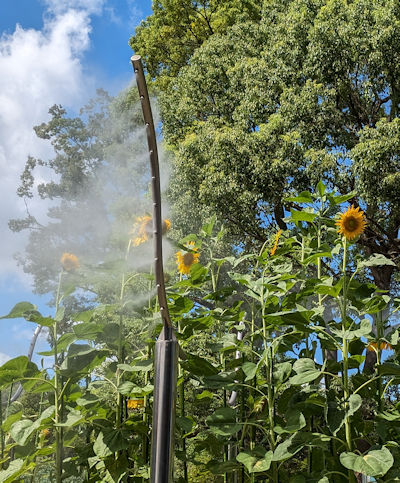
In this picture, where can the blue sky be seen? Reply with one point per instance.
(51, 51)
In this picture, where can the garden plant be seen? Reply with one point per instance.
(271, 384)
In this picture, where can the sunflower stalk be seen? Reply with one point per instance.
(57, 390)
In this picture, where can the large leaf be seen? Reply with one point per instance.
(374, 463)
(295, 422)
(376, 260)
(22, 430)
(17, 369)
(223, 422)
(107, 444)
(306, 371)
(12, 472)
(302, 216)
(21, 310)
(199, 366)
(81, 358)
(255, 461)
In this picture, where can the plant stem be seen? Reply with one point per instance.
(57, 420)
(345, 373)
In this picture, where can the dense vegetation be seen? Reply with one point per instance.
(284, 294)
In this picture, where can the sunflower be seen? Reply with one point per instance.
(185, 259)
(45, 433)
(373, 346)
(273, 249)
(351, 223)
(166, 226)
(143, 228)
(69, 261)
(135, 403)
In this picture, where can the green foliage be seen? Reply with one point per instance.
(280, 96)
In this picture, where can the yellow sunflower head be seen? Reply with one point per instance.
(273, 249)
(185, 259)
(166, 226)
(373, 346)
(69, 262)
(351, 223)
(45, 433)
(135, 403)
(141, 230)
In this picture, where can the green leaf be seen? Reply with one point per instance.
(17, 369)
(321, 188)
(12, 472)
(59, 314)
(185, 424)
(22, 430)
(295, 422)
(306, 371)
(21, 310)
(355, 402)
(389, 369)
(74, 417)
(221, 467)
(11, 419)
(205, 395)
(376, 260)
(223, 422)
(337, 200)
(374, 463)
(303, 197)
(281, 372)
(139, 366)
(302, 216)
(87, 330)
(198, 366)
(250, 369)
(107, 444)
(255, 461)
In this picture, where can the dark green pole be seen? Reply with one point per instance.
(166, 350)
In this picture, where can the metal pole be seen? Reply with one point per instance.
(166, 351)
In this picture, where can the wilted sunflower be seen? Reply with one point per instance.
(69, 261)
(135, 403)
(351, 223)
(143, 229)
(374, 346)
(185, 259)
(273, 249)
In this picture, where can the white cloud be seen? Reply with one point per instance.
(4, 358)
(38, 68)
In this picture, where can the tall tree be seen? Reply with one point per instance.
(94, 186)
(307, 90)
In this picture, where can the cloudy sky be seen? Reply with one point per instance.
(51, 52)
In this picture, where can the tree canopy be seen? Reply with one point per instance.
(303, 90)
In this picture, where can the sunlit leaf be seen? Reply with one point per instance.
(374, 463)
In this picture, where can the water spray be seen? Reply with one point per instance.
(166, 349)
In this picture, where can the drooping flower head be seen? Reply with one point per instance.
(373, 346)
(142, 229)
(69, 262)
(273, 249)
(185, 259)
(351, 223)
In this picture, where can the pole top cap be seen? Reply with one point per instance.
(135, 58)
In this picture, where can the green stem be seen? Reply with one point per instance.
(57, 420)
(345, 373)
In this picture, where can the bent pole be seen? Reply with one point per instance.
(166, 350)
